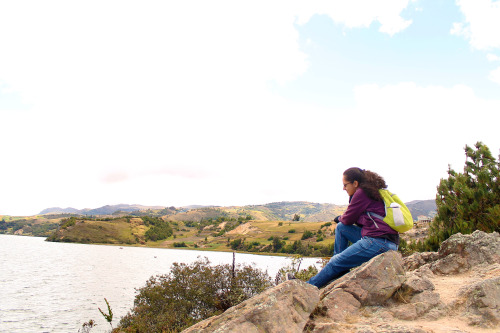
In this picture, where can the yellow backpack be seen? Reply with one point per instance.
(397, 215)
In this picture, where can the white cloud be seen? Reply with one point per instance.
(495, 75)
(492, 57)
(482, 23)
(360, 13)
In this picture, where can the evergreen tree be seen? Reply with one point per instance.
(468, 201)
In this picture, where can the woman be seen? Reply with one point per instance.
(369, 236)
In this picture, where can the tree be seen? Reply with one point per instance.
(278, 244)
(296, 217)
(190, 293)
(467, 201)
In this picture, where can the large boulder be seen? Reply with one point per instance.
(481, 303)
(374, 282)
(460, 253)
(284, 308)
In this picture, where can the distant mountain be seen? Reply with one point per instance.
(422, 207)
(59, 210)
(277, 211)
(104, 210)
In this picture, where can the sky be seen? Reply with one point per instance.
(176, 103)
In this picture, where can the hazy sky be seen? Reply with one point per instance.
(239, 102)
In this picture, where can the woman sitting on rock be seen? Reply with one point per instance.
(369, 237)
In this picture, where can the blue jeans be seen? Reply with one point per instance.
(346, 257)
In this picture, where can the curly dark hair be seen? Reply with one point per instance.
(369, 181)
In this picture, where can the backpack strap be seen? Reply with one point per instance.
(372, 215)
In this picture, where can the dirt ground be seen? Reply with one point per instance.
(450, 288)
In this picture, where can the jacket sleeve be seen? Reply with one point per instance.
(356, 208)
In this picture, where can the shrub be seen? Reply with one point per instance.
(191, 293)
(307, 234)
(235, 244)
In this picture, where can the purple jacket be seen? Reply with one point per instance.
(356, 213)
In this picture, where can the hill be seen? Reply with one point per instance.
(422, 207)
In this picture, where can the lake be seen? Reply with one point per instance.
(56, 287)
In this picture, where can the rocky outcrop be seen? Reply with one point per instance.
(373, 282)
(284, 308)
(456, 289)
(459, 254)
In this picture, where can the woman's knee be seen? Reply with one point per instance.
(340, 227)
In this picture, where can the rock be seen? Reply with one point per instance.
(415, 284)
(426, 301)
(451, 264)
(458, 254)
(373, 282)
(471, 250)
(419, 259)
(340, 305)
(482, 304)
(405, 312)
(284, 308)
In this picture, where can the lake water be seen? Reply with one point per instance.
(56, 287)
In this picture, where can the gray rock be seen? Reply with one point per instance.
(340, 305)
(415, 284)
(453, 263)
(482, 305)
(374, 282)
(284, 308)
(419, 259)
(405, 312)
(426, 301)
(476, 249)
